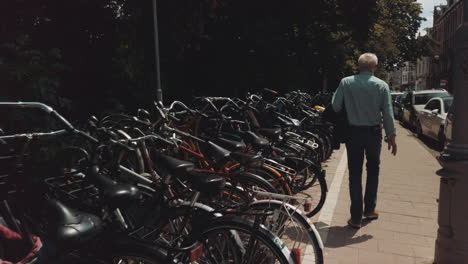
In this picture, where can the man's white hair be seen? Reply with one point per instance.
(367, 61)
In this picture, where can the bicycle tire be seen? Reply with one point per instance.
(322, 187)
(302, 223)
(274, 180)
(235, 225)
(248, 179)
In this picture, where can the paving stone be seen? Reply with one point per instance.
(395, 247)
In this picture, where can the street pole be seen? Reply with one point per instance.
(159, 94)
(452, 235)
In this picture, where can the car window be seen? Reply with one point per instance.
(432, 105)
(398, 99)
(395, 97)
(437, 105)
(421, 99)
(407, 99)
(447, 104)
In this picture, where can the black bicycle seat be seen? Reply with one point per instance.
(206, 183)
(231, 144)
(174, 165)
(255, 140)
(69, 226)
(245, 158)
(270, 132)
(116, 195)
(218, 152)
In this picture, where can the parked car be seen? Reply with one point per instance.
(448, 125)
(395, 95)
(414, 102)
(398, 106)
(432, 118)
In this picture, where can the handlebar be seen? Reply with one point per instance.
(43, 107)
(35, 135)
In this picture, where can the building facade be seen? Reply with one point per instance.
(404, 78)
(394, 80)
(408, 77)
(422, 74)
(447, 19)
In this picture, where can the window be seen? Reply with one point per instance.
(433, 105)
(421, 99)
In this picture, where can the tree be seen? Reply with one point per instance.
(96, 55)
(394, 35)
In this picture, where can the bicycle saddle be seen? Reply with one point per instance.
(255, 140)
(174, 165)
(231, 144)
(115, 194)
(206, 183)
(67, 226)
(270, 132)
(245, 158)
(218, 152)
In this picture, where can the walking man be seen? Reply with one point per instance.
(366, 99)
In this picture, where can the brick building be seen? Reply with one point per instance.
(447, 18)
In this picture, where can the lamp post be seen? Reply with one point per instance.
(452, 234)
(159, 95)
(436, 77)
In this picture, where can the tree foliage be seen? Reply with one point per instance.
(94, 55)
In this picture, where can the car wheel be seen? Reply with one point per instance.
(412, 123)
(442, 138)
(419, 131)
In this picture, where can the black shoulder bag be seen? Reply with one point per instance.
(341, 128)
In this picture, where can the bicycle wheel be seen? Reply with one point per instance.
(249, 181)
(317, 189)
(229, 197)
(291, 225)
(275, 180)
(235, 240)
(116, 249)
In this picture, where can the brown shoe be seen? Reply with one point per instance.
(353, 225)
(372, 215)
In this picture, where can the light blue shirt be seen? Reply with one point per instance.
(367, 100)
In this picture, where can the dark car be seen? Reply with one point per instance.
(398, 106)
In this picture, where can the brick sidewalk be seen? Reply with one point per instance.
(407, 227)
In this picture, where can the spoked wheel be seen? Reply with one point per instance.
(318, 191)
(294, 229)
(236, 241)
(419, 130)
(230, 197)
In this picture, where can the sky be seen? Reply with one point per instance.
(428, 10)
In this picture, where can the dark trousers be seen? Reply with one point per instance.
(363, 141)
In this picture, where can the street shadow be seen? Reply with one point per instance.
(341, 236)
(429, 143)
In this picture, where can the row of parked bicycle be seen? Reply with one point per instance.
(226, 180)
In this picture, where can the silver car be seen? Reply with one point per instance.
(414, 103)
(448, 125)
(432, 118)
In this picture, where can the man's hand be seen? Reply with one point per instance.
(392, 144)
